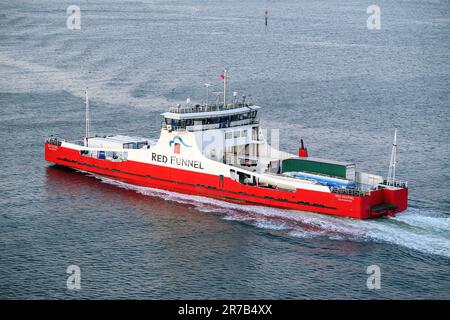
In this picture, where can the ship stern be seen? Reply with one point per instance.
(386, 202)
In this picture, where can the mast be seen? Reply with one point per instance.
(225, 76)
(88, 120)
(391, 173)
(207, 85)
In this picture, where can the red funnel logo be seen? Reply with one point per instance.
(176, 148)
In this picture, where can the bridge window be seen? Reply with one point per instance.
(223, 121)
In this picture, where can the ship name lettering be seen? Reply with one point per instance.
(159, 157)
(177, 161)
(186, 163)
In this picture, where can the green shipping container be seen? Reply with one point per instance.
(314, 166)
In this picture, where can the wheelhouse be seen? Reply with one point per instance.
(199, 117)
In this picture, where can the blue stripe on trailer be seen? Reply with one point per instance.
(329, 182)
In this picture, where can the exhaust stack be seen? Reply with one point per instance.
(302, 152)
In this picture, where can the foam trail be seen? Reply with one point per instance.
(427, 232)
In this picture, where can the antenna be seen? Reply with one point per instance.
(217, 94)
(207, 85)
(225, 76)
(393, 162)
(88, 120)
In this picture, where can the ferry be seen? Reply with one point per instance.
(219, 150)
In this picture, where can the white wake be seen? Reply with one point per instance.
(427, 232)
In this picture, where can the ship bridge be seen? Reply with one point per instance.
(205, 117)
(233, 128)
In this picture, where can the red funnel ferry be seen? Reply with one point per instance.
(218, 150)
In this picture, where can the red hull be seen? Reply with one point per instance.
(208, 185)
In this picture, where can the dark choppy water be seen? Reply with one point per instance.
(320, 74)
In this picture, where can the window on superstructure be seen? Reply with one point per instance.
(128, 145)
(233, 174)
(255, 134)
(177, 123)
(246, 178)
